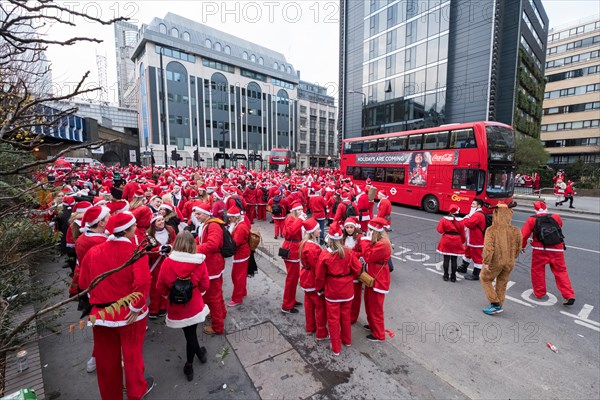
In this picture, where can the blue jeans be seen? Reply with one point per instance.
(322, 226)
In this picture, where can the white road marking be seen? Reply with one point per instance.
(582, 249)
(415, 217)
(585, 312)
(510, 284)
(577, 317)
(578, 322)
(519, 301)
(441, 273)
(526, 295)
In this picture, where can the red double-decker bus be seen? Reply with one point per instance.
(435, 167)
(282, 159)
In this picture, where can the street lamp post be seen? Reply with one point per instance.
(163, 107)
(364, 107)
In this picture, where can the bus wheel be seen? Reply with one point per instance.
(431, 204)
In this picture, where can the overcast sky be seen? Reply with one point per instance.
(305, 31)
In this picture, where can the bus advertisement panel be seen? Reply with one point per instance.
(435, 167)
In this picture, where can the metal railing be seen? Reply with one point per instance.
(531, 192)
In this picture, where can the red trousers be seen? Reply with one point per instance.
(338, 321)
(474, 254)
(364, 225)
(356, 302)
(251, 212)
(278, 226)
(556, 259)
(316, 316)
(239, 277)
(157, 302)
(261, 213)
(112, 342)
(374, 309)
(291, 284)
(214, 300)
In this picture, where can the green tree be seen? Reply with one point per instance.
(530, 155)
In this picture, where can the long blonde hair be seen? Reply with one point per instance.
(136, 202)
(376, 236)
(307, 237)
(337, 246)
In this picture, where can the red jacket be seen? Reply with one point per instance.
(528, 230)
(240, 234)
(156, 259)
(83, 244)
(363, 207)
(340, 214)
(218, 209)
(251, 195)
(183, 265)
(210, 241)
(134, 278)
(317, 206)
(336, 275)
(384, 210)
(476, 225)
(293, 236)
(283, 205)
(377, 256)
(453, 237)
(309, 258)
(129, 190)
(330, 204)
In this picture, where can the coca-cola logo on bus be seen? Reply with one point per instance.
(447, 157)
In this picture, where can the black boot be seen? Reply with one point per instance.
(453, 272)
(446, 277)
(202, 354)
(188, 370)
(463, 267)
(474, 276)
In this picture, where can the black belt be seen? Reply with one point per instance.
(294, 240)
(339, 276)
(103, 305)
(452, 233)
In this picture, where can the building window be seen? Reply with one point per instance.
(303, 147)
(227, 50)
(218, 46)
(162, 28)
(244, 55)
(282, 67)
(175, 32)
(275, 65)
(207, 62)
(302, 109)
(289, 69)
(208, 43)
(261, 61)
(253, 58)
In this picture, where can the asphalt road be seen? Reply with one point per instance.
(441, 325)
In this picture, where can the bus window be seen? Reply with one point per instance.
(348, 148)
(462, 139)
(382, 145)
(368, 173)
(397, 144)
(380, 174)
(370, 146)
(394, 175)
(435, 140)
(350, 171)
(414, 142)
(465, 179)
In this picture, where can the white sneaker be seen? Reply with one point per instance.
(91, 365)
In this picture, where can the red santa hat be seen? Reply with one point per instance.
(234, 211)
(352, 221)
(277, 193)
(383, 192)
(454, 209)
(119, 223)
(203, 207)
(68, 201)
(82, 207)
(193, 194)
(335, 232)
(297, 206)
(99, 201)
(139, 194)
(540, 207)
(310, 225)
(167, 206)
(155, 216)
(378, 224)
(93, 215)
(118, 206)
(218, 194)
(67, 190)
(154, 197)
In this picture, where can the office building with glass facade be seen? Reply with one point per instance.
(317, 139)
(571, 121)
(222, 93)
(410, 64)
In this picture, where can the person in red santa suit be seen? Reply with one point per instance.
(119, 334)
(210, 241)
(165, 236)
(74, 231)
(262, 198)
(336, 270)
(218, 205)
(278, 207)
(183, 261)
(318, 207)
(314, 303)
(340, 214)
(250, 193)
(130, 189)
(384, 209)
(142, 214)
(475, 225)
(364, 208)
(553, 254)
(451, 245)
(351, 240)
(93, 226)
(376, 251)
(240, 232)
(293, 237)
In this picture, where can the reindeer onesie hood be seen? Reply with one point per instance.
(502, 240)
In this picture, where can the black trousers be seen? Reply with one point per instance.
(191, 346)
(569, 199)
(450, 259)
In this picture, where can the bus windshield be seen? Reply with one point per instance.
(501, 143)
(275, 153)
(501, 183)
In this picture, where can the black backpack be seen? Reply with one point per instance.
(350, 211)
(489, 218)
(265, 194)
(276, 209)
(547, 230)
(239, 203)
(181, 291)
(229, 247)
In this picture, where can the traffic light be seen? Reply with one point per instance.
(174, 155)
(196, 155)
